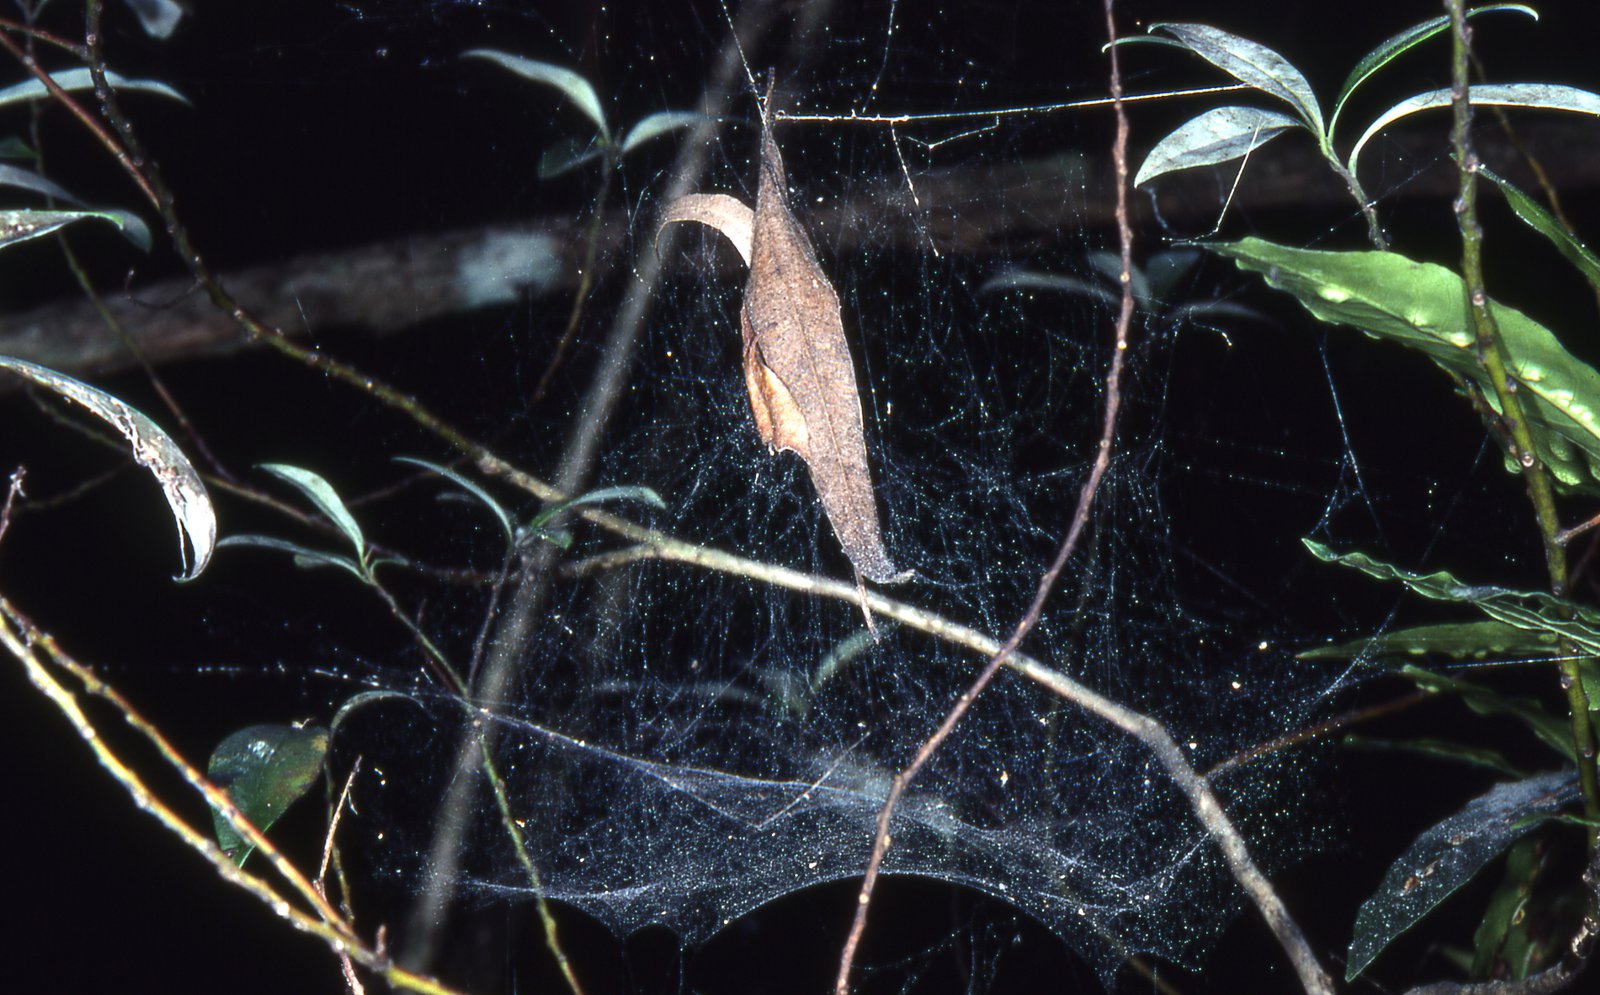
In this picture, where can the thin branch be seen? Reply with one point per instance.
(24, 642)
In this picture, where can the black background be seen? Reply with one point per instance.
(320, 125)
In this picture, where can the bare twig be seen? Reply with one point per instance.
(25, 643)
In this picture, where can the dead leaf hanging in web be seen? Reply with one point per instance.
(797, 364)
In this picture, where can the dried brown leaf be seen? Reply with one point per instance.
(797, 363)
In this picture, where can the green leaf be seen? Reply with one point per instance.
(1503, 936)
(643, 494)
(567, 154)
(133, 227)
(660, 123)
(1254, 65)
(471, 488)
(1026, 279)
(1109, 265)
(73, 80)
(1166, 269)
(152, 449)
(571, 85)
(1401, 43)
(264, 769)
(1219, 135)
(1441, 749)
(1533, 611)
(327, 500)
(1481, 640)
(1537, 96)
(1542, 221)
(1423, 306)
(304, 556)
(24, 224)
(1449, 854)
(1555, 732)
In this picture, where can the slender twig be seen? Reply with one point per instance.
(346, 966)
(1495, 360)
(24, 642)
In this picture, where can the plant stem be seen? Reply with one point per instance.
(1495, 360)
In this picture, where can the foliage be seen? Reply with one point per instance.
(1547, 394)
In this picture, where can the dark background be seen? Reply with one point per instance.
(322, 125)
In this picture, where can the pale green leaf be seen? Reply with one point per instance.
(571, 85)
(73, 80)
(152, 449)
(467, 485)
(1542, 221)
(641, 494)
(326, 499)
(304, 556)
(1484, 639)
(1397, 45)
(1253, 64)
(1024, 279)
(1534, 96)
(655, 125)
(1423, 306)
(1219, 135)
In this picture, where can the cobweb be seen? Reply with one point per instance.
(684, 745)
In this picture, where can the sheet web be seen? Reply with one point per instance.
(685, 745)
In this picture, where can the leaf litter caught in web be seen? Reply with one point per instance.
(797, 364)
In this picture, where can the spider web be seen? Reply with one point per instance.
(685, 745)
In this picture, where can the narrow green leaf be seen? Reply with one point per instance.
(655, 125)
(1554, 731)
(159, 18)
(572, 85)
(24, 224)
(1533, 611)
(1542, 221)
(264, 769)
(1219, 135)
(304, 556)
(1423, 306)
(27, 179)
(1485, 639)
(1164, 270)
(567, 154)
(74, 80)
(1109, 265)
(642, 494)
(471, 488)
(1536, 96)
(1502, 936)
(1026, 279)
(1441, 749)
(327, 500)
(1399, 44)
(1252, 64)
(1449, 854)
(12, 147)
(152, 449)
